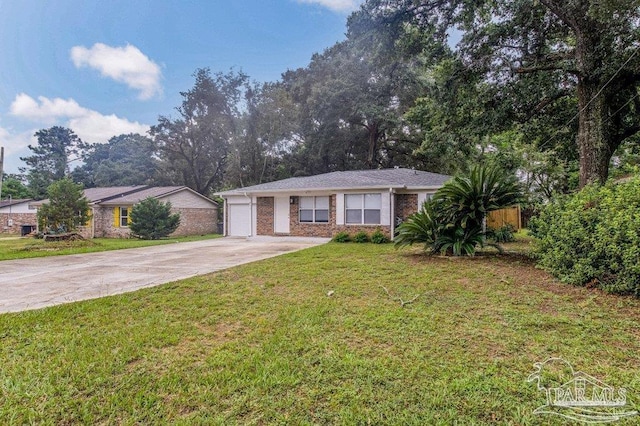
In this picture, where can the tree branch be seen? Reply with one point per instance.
(399, 299)
(545, 67)
(546, 102)
(563, 13)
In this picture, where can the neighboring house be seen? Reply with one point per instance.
(326, 204)
(111, 209)
(16, 217)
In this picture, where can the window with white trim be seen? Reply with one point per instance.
(362, 209)
(314, 209)
(124, 217)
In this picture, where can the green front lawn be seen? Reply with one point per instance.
(264, 343)
(21, 248)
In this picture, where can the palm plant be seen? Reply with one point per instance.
(423, 227)
(468, 199)
(454, 221)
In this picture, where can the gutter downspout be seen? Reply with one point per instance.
(225, 226)
(392, 211)
(93, 222)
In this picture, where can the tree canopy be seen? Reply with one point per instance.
(194, 147)
(124, 160)
(56, 148)
(12, 186)
(548, 89)
(67, 207)
(530, 57)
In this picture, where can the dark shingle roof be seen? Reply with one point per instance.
(7, 203)
(354, 179)
(98, 194)
(126, 195)
(137, 196)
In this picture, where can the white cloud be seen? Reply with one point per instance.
(95, 127)
(15, 146)
(89, 125)
(15, 143)
(336, 5)
(47, 111)
(123, 64)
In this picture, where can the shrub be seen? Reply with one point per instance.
(453, 222)
(467, 200)
(593, 237)
(151, 219)
(420, 228)
(504, 234)
(361, 237)
(459, 241)
(342, 237)
(378, 237)
(67, 209)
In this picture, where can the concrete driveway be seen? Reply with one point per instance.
(36, 283)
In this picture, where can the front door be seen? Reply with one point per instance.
(281, 213)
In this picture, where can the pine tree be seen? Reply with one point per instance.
(152, 219)
(67, 208)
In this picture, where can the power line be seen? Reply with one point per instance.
(594, 97)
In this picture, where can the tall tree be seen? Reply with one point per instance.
(535, 54)
(350, 107)
(261, 151)
(194, 147)
(56, 147)
(67, 208)
(124, 160)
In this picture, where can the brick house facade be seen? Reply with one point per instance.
(350, 202)
(16, 214)
(110, 209)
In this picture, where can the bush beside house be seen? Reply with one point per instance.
(592, 237)
(454, 221)
(152, 219)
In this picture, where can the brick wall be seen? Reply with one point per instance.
(103, 224)
(305, 229)
(196, 221)
(18, 220)
(192, 222)
(406, 205)
(328, 230)
(265, 207)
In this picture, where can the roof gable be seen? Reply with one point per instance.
(7, 203)
(155, 192)
(96, 195)
(128, 195)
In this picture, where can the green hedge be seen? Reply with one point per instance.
(593, 237)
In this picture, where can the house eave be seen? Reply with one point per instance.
(297, 191)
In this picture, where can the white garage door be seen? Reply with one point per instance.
(239, 220)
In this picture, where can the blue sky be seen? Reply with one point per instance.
(103, 68)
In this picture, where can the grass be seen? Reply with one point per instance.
(264, 344)
(22, 248)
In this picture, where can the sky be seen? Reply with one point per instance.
(104, 68)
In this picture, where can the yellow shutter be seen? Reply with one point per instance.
(116, 217)
(129, 214)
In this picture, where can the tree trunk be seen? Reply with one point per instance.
(595, 135)
(373, 136)
(595, 138)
